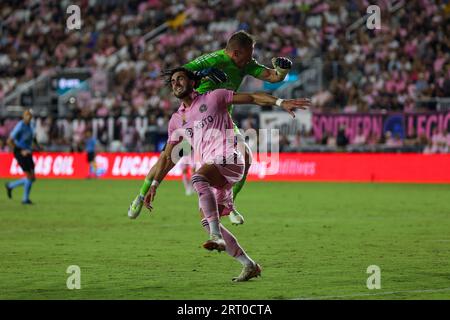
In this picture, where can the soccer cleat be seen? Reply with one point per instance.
(236, 218)
(248, 272)
(8, 191)
(215, 243)
(27, 202)
(135, 207)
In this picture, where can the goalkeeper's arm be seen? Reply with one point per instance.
(281, 65)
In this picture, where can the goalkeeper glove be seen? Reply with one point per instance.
(215, 75)
(282, 65)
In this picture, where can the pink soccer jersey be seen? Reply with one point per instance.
(208, 128)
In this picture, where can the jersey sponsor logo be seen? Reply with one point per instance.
(189, 132)
(204, 122)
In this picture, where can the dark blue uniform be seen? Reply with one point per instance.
(23, 135)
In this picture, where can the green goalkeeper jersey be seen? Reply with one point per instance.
(220, 60)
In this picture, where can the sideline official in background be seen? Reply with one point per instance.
(21, 140)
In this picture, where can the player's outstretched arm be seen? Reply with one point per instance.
(162, 168)
(265, 100)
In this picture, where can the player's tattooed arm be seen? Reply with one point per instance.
(265, 100)
(166, 164)
(163, 166)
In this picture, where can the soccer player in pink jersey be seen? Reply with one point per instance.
(203, 120)
(225, 69)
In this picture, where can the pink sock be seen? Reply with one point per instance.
(208, 202)
(232, 246)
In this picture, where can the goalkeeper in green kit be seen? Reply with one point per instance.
(225, 68)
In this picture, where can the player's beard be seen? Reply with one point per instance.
(183, 94)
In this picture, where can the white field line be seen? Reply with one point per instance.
(373, 294)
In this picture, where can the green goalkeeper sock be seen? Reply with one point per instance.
(145, 187)
(238, 186)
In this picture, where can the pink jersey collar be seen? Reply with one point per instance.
(194, 95)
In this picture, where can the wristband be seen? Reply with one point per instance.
(279, 102)
(154, 183)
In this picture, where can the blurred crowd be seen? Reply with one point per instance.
(385, 69)
(389, 69)
(304, 140)
(35, 40)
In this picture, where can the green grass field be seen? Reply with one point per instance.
(314, 241)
